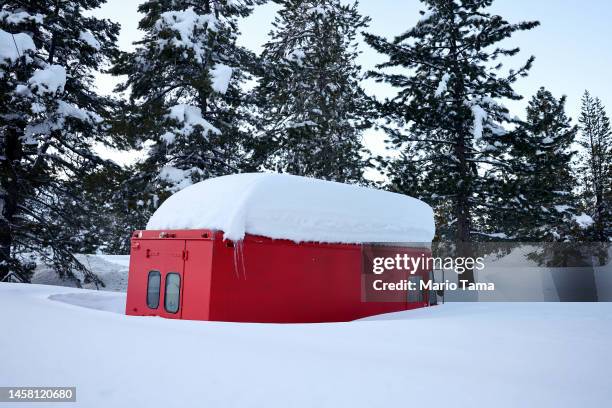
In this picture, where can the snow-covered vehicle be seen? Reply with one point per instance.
(272, 248)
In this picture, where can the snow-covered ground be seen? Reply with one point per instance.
(454, 355)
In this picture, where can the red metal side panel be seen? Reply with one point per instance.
(165, 256)
(196, 291)
(264, 280)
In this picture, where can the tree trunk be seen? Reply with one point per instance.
(9, 190)
(462, 209)
(599, 222)
(462, 202)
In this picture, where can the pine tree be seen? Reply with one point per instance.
(50, 119)
(110, 211)
(313, 110)
(539, 202)
(187, 108)
(447, 105)
(595, 165)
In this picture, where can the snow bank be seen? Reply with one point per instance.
(455, 355)
(282, 206)
(112, 269)
(113, 302)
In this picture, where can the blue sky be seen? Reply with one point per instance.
(572, 45)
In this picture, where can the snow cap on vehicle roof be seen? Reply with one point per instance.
(300, 209)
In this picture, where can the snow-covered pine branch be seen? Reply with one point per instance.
(187, 109)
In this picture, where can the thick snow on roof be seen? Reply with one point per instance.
(300, 209)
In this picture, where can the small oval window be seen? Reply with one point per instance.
(173, 292)
(153, 285)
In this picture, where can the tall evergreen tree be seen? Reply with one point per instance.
(50, 118)
(446, 112)
(538, 201)
(313, 109)
(187, 107)
(595, 165)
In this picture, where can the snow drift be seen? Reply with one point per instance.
(282, 206)
(456, 355)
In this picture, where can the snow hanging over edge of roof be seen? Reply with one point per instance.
(299, 209)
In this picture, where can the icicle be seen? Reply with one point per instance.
(239, 264)
(240, 251)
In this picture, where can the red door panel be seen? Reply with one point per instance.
(150, 257)
(197, 273)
